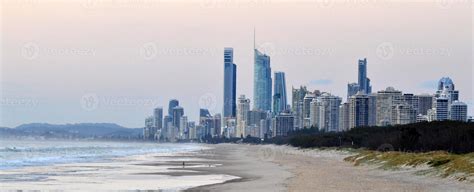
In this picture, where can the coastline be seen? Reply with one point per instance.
(284, 168)
(227, 167)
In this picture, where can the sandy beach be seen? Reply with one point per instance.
(283, 168)
(225, 167)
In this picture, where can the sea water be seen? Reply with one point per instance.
(23, 153)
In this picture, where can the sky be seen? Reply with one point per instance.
(115, 60)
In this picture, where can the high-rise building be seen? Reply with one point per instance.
(204, 113)
(358, 110)
(149, 131)
(352, 89)
(262, 84)
(279, 97)
(172, 104)
(183, 127)
(344, 117)
(243, 108)
(446, 89)
(230, 83)
(167, 124)
(283, 123)
(158, 118)
(372, 109)
(314, 113)
(458, 111)
(178, 112)
(385, 100)
(297, 105)
(425, 102)
(442, 108)
(363, 81)
(329, 112)
(308, 98)
(403, 114)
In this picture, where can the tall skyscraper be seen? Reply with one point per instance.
(178, 112)
(425, 102)
(172, 104)
(167, 124)
(149, 130)
(442, 108)
(329, 112)
(183, 127)
(308, 98)
(243, 108)
(230, 83)
(283, 123)
(262, 84)
(314, 113)
(364, 82)
(344, 117)
(458, 111)
(358, 110)
(385, 100)
(279, 97)
(352, 89)
(447, 89)
(158, 118)
(297, 105)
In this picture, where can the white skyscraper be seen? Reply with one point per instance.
(329, 112)
(385, 100)
(243, 108)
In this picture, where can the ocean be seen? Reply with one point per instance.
(24, 153)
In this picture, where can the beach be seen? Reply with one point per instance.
(284, 168)
(225, 167)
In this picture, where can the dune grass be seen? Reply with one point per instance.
(440, 163)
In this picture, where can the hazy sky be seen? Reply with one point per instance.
(115, 60)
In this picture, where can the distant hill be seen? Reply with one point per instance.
(80, 130)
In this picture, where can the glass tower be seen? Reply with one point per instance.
(262, 84)
(279, 97)
(230, 77)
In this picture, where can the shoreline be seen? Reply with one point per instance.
(318, 170)
(228, 167)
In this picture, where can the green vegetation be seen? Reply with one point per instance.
(450, 136)
(439, 163)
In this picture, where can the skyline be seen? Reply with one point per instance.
(56, 89)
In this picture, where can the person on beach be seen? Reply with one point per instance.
(183, 164)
